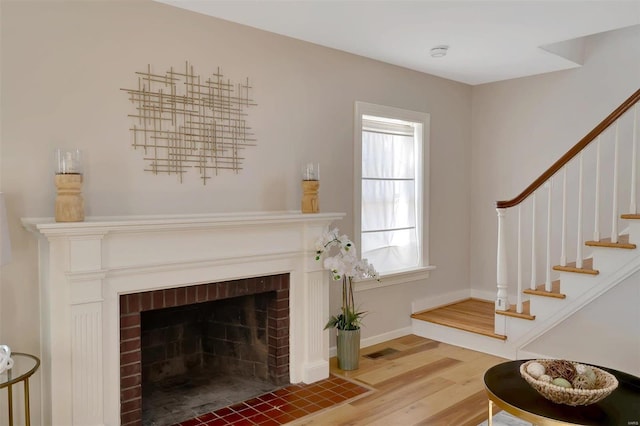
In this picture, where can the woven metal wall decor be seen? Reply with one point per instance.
(184, 121)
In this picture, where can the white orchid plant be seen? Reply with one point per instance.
(341, 259)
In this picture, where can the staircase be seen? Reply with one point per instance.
(549, 236)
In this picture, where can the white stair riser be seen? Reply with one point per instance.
(573, 284)
(516, 327)
(542, 306)
(462, 338)
(608, 260)
(634, 231)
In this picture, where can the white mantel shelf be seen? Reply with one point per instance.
(86, 266)
(103, 224)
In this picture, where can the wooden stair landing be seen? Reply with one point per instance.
(474, 315)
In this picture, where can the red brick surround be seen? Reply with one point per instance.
(130, 332)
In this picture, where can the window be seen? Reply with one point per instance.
(391, 157)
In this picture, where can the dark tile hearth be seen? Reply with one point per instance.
(283, 405)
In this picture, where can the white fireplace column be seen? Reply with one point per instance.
(71, 321)
(86, 266)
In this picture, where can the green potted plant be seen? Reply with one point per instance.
(340, 258)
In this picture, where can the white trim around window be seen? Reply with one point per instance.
(397, 124)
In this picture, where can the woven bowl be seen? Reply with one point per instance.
(605, 384)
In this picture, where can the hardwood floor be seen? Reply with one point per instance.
(474, 315)
(416, 381)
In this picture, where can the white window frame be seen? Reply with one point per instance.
(421, 271)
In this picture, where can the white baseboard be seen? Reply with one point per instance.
(374, 340)
(483, 294)
(439, 300)
(530, 355)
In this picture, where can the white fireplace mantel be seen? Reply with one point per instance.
(86, 266)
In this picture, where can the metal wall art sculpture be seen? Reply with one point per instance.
(185, 121)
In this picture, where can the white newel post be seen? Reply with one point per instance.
(519, 296)
(580, 241)
(86, 266)
(596, 225)
(547, 283)
(534, 279)
(614, 190)
(502, 300)
(634, 161)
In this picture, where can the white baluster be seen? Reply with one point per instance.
(519, 297)
(579, 234)
(563, 252)
(547, 283)
(614, 210)
(534, 279)
(596, 226)
(502, 300)
(634, 155)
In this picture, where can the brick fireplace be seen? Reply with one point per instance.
(88, 268)
(191, 349)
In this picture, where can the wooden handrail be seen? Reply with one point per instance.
(624, 107)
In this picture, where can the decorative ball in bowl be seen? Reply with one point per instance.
(568, 382)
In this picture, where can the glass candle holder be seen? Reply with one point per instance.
(68, 162)
(68, 180)
(311, 171)
(310, 186)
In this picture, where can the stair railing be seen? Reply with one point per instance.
(618, 125)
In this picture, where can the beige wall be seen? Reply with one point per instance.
(63, 64)
(521, 127)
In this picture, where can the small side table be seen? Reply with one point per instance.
(509, 391)
(24, 365)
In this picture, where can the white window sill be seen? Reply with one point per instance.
(394, 278)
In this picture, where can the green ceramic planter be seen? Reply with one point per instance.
(348, 349)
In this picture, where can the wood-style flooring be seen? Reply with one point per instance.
(416, 381)
(472, 315)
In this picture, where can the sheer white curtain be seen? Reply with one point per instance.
(389, 234)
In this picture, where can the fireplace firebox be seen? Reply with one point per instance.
(239, 326)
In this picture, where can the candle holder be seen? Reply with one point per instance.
(310, 186)
(68, 180)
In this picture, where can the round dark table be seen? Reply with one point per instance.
(509, 391)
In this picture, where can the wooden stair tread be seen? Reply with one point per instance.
(540, 291)
(623, 243)
(630, 216)
(587, 267)
(526, 312)
(473, 315)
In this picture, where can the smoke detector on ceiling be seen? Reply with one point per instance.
(439, 51)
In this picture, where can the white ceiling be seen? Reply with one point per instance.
(489, 40)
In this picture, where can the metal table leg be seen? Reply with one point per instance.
(10, 395)
(27, 413)
(490, 413)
